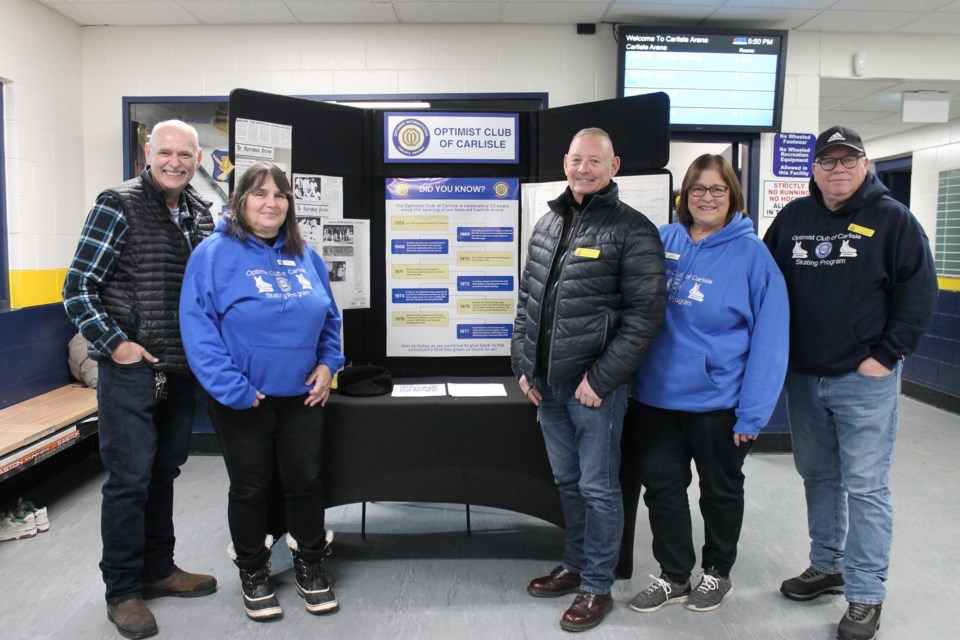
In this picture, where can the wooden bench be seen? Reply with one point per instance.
(35, 429)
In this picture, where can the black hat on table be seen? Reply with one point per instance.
(838, 136)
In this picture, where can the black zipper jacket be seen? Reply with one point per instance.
(609, 301)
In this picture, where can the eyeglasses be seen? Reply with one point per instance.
(698, 190)
(828, 163)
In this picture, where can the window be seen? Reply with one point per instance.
(947, 256)
(208, 115)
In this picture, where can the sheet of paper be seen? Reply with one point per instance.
(464, 390)
(419, 390)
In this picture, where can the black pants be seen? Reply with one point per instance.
(282, 435)
(668, 441)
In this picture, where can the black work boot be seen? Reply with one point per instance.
(313, 584)
(811, 584)
(860, 622)
(259, 601)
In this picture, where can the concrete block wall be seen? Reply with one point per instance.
(932, 373)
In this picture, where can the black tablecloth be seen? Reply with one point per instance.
(481, 451)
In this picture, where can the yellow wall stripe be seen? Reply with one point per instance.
(37, 287)
(949, 284)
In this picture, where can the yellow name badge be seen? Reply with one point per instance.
(580, 252)
(861, 230)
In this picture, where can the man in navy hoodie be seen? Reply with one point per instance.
(862, 289)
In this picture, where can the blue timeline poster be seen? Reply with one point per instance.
(451, 266)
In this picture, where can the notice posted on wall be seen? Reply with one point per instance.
(451, 254)
(256, 141)
(778, 193)
(344, 245)
(318, 196)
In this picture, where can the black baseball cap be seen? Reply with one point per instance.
(838, 136)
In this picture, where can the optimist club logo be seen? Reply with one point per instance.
(411, 137)
(824, 249)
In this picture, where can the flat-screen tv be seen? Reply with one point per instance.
(717, 79)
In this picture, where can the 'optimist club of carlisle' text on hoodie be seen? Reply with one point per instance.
(724, 343)
(255, 318)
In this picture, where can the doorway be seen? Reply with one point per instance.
(743, 156)
(895, 174)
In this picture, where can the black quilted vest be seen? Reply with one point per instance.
(143, 294)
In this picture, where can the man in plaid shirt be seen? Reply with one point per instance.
(122, 291)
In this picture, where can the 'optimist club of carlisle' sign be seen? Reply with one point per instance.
(430, 136)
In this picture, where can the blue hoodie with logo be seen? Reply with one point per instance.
(255, 318)
(725, 341)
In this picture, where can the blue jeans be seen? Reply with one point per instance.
(143, 442)
(843, 430)
(583, 445)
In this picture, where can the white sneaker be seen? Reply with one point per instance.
(40, 514)
(14, 528)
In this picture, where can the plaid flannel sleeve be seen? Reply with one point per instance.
(98, 252)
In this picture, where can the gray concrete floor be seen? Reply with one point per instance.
(417, 575)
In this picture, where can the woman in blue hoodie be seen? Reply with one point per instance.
(262, 335)
(708, 384)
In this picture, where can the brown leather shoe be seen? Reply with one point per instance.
(180, 584)
(133, 619)
(586, 612)
(560, 582)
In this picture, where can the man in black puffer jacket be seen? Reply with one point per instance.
(123, 291)
(591, 302)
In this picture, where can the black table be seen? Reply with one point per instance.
(476, 451)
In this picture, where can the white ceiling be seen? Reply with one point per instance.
(872, 107)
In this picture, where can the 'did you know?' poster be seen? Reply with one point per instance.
(451, 266)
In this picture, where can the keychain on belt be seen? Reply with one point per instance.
(160, 381)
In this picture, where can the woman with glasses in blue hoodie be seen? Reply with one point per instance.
(262, 335)
(708, 385)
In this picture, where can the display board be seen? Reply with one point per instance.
(478, 291)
